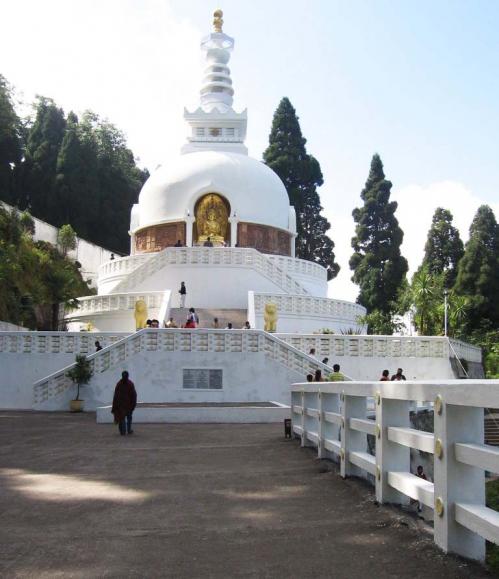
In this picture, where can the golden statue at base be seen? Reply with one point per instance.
(212, 217)
(140, 314)
(270, 317)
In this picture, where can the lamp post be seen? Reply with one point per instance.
(446, 293)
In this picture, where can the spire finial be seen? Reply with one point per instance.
(218, 20)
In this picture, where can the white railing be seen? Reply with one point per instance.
(295, 266)
(333, 417)
(122, 265)
(115, 302)
(310, 306)
(466, 351)
(205, 256)
(184, 340)
(333, 346)
(55, 342)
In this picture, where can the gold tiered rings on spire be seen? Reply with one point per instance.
(218, 20)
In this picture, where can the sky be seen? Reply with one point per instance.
(416, 82)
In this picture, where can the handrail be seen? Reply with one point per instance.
(333, 417)
(216, 256)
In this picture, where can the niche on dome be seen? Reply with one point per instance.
(212, 220)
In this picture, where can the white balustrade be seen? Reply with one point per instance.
(55, 342)
(466, 351)
(309, 306)
(115, 302)
(185, 340)
(334, 346)
(295, 266)
(205, 256)
(333, 418)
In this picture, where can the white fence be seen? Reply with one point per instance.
(333, 417)
(55, 342)
(205, 256)
(184, 340)
(333, 346)
(116, 302)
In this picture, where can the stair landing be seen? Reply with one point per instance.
(235, 316)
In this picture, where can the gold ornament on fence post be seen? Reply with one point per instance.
(218, 20)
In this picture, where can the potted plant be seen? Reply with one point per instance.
(80, 374)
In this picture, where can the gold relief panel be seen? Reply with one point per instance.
(264, 238)
(157, 237)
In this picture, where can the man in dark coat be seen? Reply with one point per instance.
(124, 402)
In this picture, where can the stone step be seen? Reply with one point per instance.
(235, 316)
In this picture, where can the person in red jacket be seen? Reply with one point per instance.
(124, 403)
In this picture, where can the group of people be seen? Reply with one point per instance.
(399, 375)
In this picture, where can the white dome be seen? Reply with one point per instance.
(253, 190)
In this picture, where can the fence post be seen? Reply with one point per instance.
(456, 482)
(303, 435)
(352, 440)
(330, 430)
(320, 426)
(390, 456)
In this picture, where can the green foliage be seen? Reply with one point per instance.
(381, 323)
(443, 248)
(487, 338)
(427, 292)
(10, 140)
(477, 276)
(301, 175)
(378, 266)
(34, 277)
(66, 238)
(80, 373)
(492, 501)
(67, 171)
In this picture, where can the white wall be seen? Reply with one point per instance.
(158, 378)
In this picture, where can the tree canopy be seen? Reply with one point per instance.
(443, 248)
(378, 266)
(34, 276)
(301, 174)
(67, 170)
(478, 271)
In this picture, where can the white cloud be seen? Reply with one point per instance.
(416, 206)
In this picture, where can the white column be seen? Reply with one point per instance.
(293, 248)
(390, 456)
(456, 482)
(189, 221)
(233, 230)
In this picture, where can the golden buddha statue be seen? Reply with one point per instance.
(211, 219)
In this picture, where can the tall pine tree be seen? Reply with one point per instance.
(379, 268)
(478, 276)
(301, 175)
(10, 141)
(443, 248)
(36, 180)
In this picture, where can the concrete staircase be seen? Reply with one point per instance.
(492, 427)
(236, 317)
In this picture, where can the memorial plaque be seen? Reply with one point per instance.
(202, 379)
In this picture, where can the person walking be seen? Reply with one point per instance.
(183, 292)
(336, 376)
(124, 403)
(98, 347)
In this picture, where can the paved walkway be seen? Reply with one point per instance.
(78, 500)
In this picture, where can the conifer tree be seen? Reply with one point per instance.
(443, 248)
(36, 180)
(10, 141)
(379, 268)
(478, 271)
(301, 175)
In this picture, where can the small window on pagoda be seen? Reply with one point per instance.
(199, 131)
(215, 132)
(229, 132)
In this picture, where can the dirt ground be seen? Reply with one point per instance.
(78, 500)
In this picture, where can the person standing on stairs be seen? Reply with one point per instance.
(183, 292)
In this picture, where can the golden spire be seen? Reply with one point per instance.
(217, 20)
